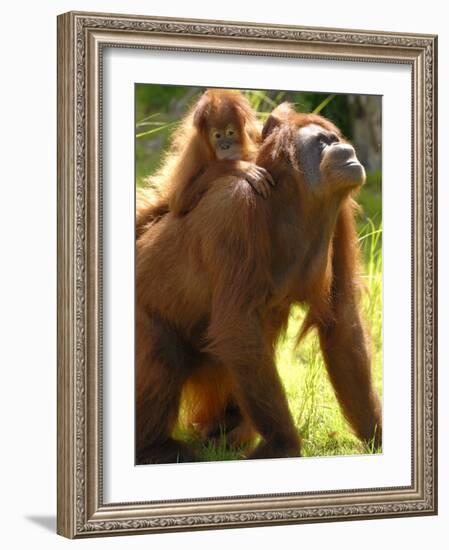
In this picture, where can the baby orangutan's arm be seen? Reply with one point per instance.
(259, 179)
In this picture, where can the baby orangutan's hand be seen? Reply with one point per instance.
(259, 179)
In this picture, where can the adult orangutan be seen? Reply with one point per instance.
(214, 291)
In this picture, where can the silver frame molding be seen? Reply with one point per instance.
(81, 39)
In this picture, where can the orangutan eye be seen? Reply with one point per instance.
(327, 138)
(230, 132)
(217, 135)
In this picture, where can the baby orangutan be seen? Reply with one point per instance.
(220, 128)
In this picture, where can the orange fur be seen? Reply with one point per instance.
(210, 410)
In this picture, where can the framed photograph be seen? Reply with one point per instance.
(247, 274)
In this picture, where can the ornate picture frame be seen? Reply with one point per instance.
(82, 39)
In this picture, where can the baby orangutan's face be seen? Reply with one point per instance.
(226, 142)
